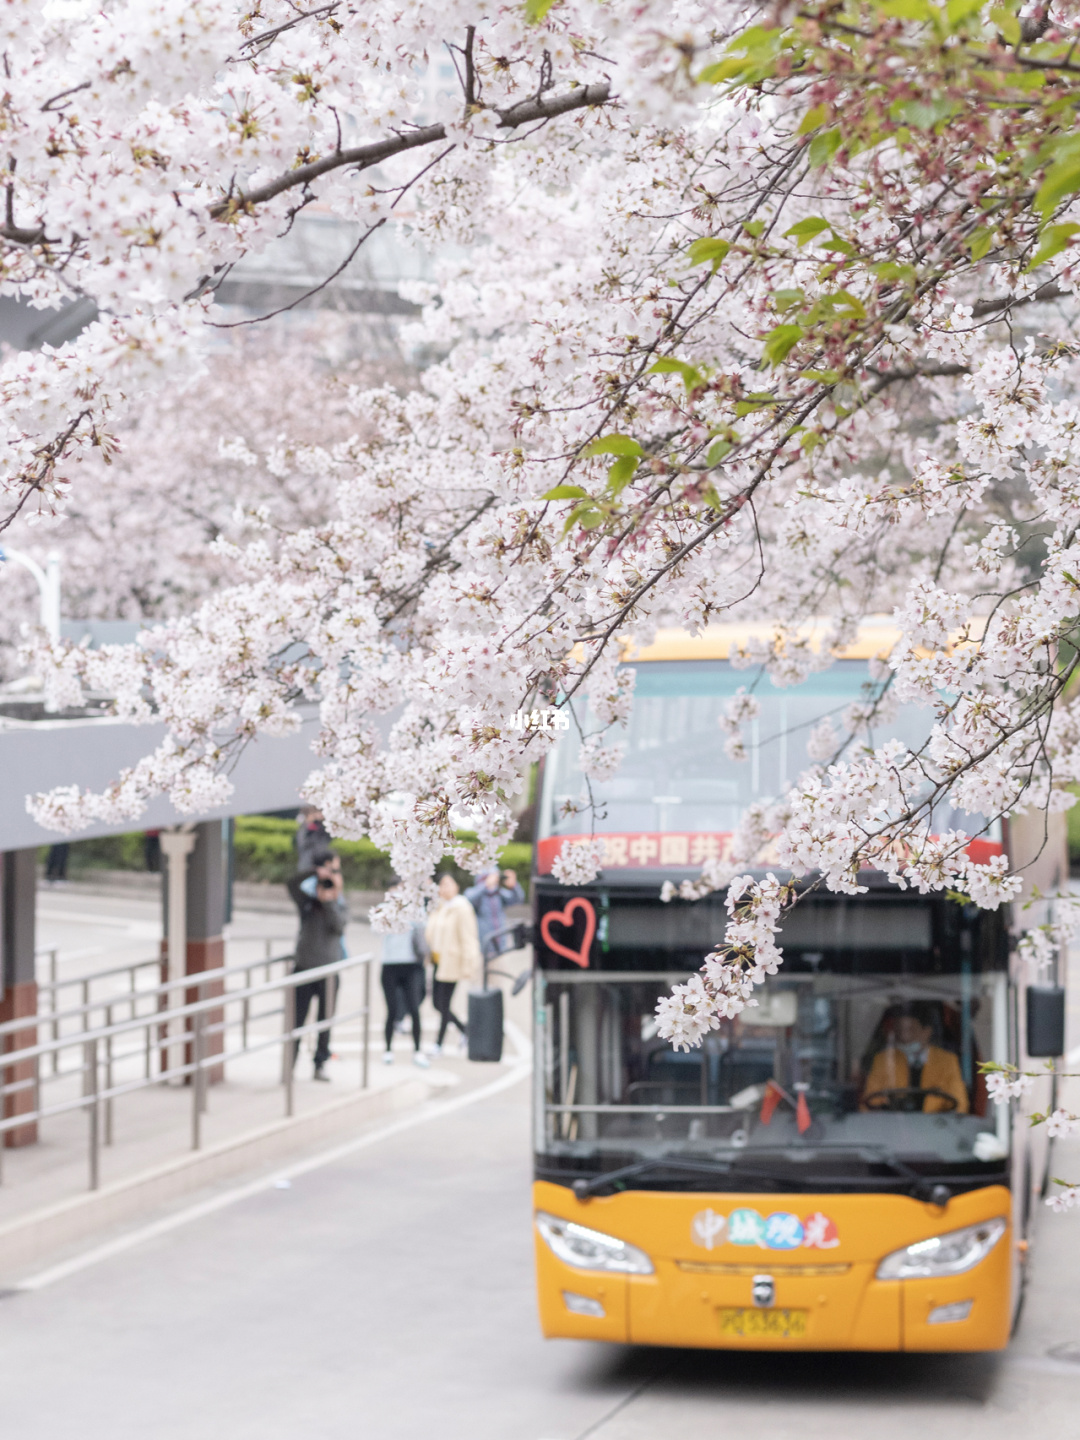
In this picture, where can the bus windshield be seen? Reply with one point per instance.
(675, 775)
(830, 1076)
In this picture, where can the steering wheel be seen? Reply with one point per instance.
(894, 1097)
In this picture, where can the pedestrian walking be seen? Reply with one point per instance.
(454, 940)
(312, 837)
(319, 897)
(489, 897)
(403, 956)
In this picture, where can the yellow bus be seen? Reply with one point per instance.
(826, 1171)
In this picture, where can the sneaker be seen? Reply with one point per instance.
(320, 1074)
(463, 1045)
(420, 1059)
(388, 1057)
(434, 1049)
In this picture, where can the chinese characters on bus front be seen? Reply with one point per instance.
(779, 1231)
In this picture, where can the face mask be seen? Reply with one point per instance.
(915, 1051)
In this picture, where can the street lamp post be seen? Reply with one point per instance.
(48, 583)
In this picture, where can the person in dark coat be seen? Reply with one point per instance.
(319, 897)
(312, 838)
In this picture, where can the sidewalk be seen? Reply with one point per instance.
(244, 1130)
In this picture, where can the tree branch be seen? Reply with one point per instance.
(526, 112)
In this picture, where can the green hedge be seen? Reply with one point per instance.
(1072, 819)
(109, 852)
(265, 850)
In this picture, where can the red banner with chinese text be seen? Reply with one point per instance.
(679, 850)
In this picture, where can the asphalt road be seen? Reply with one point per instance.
(388, 1294)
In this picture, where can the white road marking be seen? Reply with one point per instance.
(1043, 1365)
(520, 1043)
(432, 1111)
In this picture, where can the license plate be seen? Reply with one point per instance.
(756, 1324)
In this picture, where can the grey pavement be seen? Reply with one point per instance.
(389, 1293)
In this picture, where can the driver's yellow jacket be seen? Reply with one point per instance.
(890, 1071)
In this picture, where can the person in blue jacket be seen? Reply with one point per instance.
(489, 897)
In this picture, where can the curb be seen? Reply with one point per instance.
(31, 1239)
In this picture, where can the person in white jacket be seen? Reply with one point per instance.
(454, 941)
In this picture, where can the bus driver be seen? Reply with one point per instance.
(911, 1072)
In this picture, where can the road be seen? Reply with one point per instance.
(387, 1292)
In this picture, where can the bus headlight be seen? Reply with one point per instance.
(949, 1254)
(587, 1249)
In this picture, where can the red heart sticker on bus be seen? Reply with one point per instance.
(566, 917)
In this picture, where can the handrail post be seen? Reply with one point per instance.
(367, 1026)
(3, 1082)
(54, 1006)
(196, 1078)
(289, 1012)
(108, 1078)
(91, 1054)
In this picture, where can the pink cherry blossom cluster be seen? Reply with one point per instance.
(613, 438)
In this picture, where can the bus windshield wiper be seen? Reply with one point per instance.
(584, 1188)
(922, 1186)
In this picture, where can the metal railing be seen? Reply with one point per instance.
(48, 990)
(181, 1034)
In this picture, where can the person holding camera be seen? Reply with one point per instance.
(319, 897)
(489, 897)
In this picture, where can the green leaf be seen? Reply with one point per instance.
(1052, 241)
(584, 514)
(824, 146)
(750, 57)
(717, 450)
(536, 10)
(906, 9)
(708, 248)
(822, 377)
(924, 114)
(805, 230)
(782, 340)
(754, 227)
(1062, 179)
(1007, 23)
(785, 299)
(621, 473)
(812, 119)
(565, 492)
(723, 70)
(612, 445)
(844, 303)
(692, 377)
(957, 11)
(980, 242)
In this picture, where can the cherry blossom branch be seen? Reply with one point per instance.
(363, 157)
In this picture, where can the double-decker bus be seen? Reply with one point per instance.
(826, 1171)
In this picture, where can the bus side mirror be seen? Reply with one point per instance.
(1045, 1021)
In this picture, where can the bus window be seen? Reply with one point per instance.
(854, 1073)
